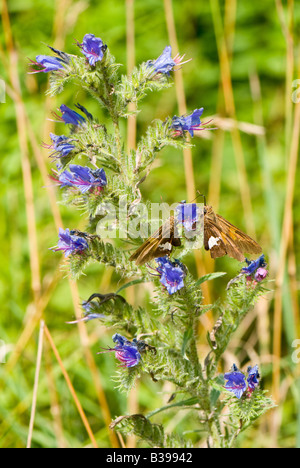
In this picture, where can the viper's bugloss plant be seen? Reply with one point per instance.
(99, 177)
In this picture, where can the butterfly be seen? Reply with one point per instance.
(223, 238)
(220, 238)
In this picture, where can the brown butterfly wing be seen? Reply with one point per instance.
(158, 244)
(213, 240)
(244, 242)
(223, 238)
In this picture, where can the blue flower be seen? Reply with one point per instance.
(70, 244)
(187, 215)
(164, 63)
(253, 377)
(125, 351)
(60, 144)
(93, 48)
(70, 117)
(89, 313)
(47, 63)
(83, 178)
(171, 274)
(254, 265)
(190, 123)
(236, 382)
(120, 340)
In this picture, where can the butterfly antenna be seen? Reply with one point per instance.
(200, 195)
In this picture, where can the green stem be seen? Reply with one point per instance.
(109, 91)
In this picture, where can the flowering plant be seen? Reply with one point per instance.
(109, 176)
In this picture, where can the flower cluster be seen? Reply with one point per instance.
(80, 177)
(237, 382)
(171, 274)
(92, 47)
(255, 269)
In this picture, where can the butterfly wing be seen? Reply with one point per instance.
(213, 240)
(158, 244)
(223, 238)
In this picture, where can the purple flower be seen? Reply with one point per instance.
(60, 144)
(190, 123)
(83, 178)
(70, 117)
(253, 377)
(125, 351)
(47, 63)
(260, 274)
(236, 382)
(128, 355)
(187, 215)
(93, 48)
(70, 244)
(164, 63)
(171, 274)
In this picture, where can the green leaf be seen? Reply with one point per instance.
(189, 402)
(131, 283)
(209, 277)
(217, 389)
(186, 338)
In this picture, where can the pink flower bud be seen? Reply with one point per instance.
(260, 274)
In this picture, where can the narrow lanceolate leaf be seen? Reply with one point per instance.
(188, 334)
(209, 277)
(131, 283)
(183, 403)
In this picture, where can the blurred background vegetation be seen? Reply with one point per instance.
(245, 58)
